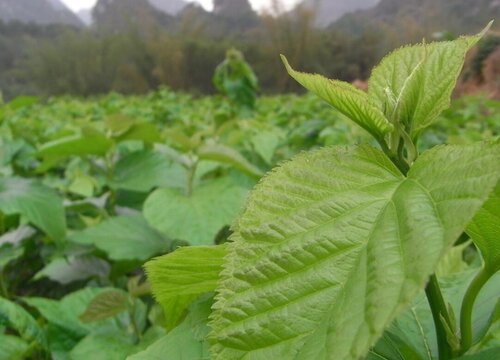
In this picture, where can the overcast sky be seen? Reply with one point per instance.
(86, 4)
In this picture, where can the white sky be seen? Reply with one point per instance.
(87, 4)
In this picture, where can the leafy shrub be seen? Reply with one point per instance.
(334, 248)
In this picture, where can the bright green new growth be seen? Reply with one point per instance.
(182, 276)
(334, 244)
(406, 92)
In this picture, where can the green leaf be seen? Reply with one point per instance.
(198, 217)
(414, 331)
(14, 316)
(490, 354)
(414, 83)
(89, 142)
(452, 261)
(227, 155)
(38, 203)
(145, 131)
(182, 276)
(9, 253)
(124, 238)
(334, 244)
(103, 347)
(119, 124)
(142, 171)
(74, 268)
(350, 101)
(12, 348)
(187, 341)
(485, 231)
(265, 144)
(106, 304)
(65, 312)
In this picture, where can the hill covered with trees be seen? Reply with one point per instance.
(134, 46)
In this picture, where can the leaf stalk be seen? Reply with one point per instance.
(439, 313)
(471, 294)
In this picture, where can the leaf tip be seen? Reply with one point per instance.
(286, 63)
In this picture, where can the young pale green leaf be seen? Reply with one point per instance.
(186, 341)
(414, 83)
(197, 217)
(106, 304)
(335, 243)
(182, 276)
(485, 231)
(14, 316)
(227, 155)
(38, 203)
(350, 101)
(124, 238)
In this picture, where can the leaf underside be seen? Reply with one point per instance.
(335, 243)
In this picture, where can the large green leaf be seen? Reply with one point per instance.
(182, 276)
(142, 171)
(485, 231)
(198, 217)
(187, 341)
(14, 316)
(335, 243)
(414, 83)
(350, 101)
(38, 203)
(124, 238)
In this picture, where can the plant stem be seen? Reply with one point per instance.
(190, 178)
(473, 290)
(4, 292)
(439, 311)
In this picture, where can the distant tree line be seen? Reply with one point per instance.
(137, 56)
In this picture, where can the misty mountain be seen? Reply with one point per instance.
(42, 12)
(412, 19)
(85, 15)
(327, 11)
(122, 15)
(171, 7)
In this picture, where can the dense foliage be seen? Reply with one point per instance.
(92, 189)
